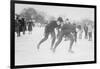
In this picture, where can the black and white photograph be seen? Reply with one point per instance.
(47, 34)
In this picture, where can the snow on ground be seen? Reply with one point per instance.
(26, 52)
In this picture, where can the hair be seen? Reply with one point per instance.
(67, 19)
(60, 19)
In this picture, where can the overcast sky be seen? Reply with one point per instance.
(73, 13)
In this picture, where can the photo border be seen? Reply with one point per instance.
(12, 34)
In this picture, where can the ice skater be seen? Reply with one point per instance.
(69, 31)
(90, 32)
(50, 29)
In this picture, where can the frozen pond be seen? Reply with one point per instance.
(26, 52)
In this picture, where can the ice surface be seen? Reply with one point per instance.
(26, 52)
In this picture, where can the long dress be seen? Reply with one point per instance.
(30, 26)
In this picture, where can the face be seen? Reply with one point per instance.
(58, 22)
(33, 20)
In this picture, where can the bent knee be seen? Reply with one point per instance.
(45, 38)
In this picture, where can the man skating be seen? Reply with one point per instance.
(69, 31)
(50, 30)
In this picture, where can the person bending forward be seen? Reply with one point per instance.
(69, 31)
(50, 29)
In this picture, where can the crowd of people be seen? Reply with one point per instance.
(65, 29)
(21, 25)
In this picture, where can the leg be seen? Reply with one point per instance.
(71, 42)
(80, 35)
(75, 36)
(58, 32)
(18, 31)
(23, 29)
(44, 39)
(90, 36)
(53, 38)
(17, 34)
(59, 40)
(86, 34)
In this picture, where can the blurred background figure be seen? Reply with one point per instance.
(86, 31)
(90, 32)
(17, 26)
(75, 25)
(80, 31)
(30, 23)
(67, 21)
(23, 25)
